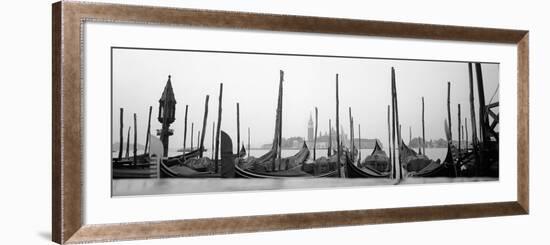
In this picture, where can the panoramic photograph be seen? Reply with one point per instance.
(198, 121)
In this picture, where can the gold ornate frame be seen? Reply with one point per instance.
(67, 21)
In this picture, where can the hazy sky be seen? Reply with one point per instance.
(139, 77)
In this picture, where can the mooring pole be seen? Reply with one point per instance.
(449, 111)
(281, 76)
(338, 130)
(481, 99)
(199, 140)
(315, 137)
(423, 129)
(121, 144)
(185, 130)
(248, 152)
(359, 143)
(238, 129)
(213, 134)
(389, 144)
(148, 131)
(397, 121)
(472, 109)
(329, 153)
(351, 135)
(204, 119)
(459, 133)
(135, 139)
(466, 132)
(216, 161)
(128, 143)
(192, 131)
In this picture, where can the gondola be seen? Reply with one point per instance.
(438, 169)
(226, 171)
(378, 160)
(412, 161)
(353, 171)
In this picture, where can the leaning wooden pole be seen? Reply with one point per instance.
(148, 131)
(204, 121)
(389, 144)
(191, 138)
(315, 137)
(216, 161)
(481, 98)
(279, 151)
(128, 143)
(213, 135)
(199, 140)
(135, 138)
(238, 129)
(185, 129)
(472, 109)
(338, 131)
(121, 144)
(423, 129)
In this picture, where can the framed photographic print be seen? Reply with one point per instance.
(243, 122)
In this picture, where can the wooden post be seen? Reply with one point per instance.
(135, 138)
(148, 131)
(281, 77)
(248, 152)
(410, 135)
(359, 143)
(238, 130)
(213, 134)
(459, 132)
(481, 99)
(192, 131)
(351, 134)
(315, 137)
(472, 109)
(397, 121)
(329, 153)
(389, 144)
(466, 132)
(204, 119)
(198, 140)
(338, 130)
(449, 111)
(185, 129)
(218, 128)
(423, 129)
(128, 143)
(120, 147)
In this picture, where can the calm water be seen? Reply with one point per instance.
(432, 153)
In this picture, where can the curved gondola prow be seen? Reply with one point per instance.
(353, 171)
(228, 158)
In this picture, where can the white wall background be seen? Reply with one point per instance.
(25, 94)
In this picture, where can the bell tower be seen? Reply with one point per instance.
(310, 129)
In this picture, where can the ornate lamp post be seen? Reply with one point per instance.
(167, 111)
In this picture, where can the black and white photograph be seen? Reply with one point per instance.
(198, 121)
